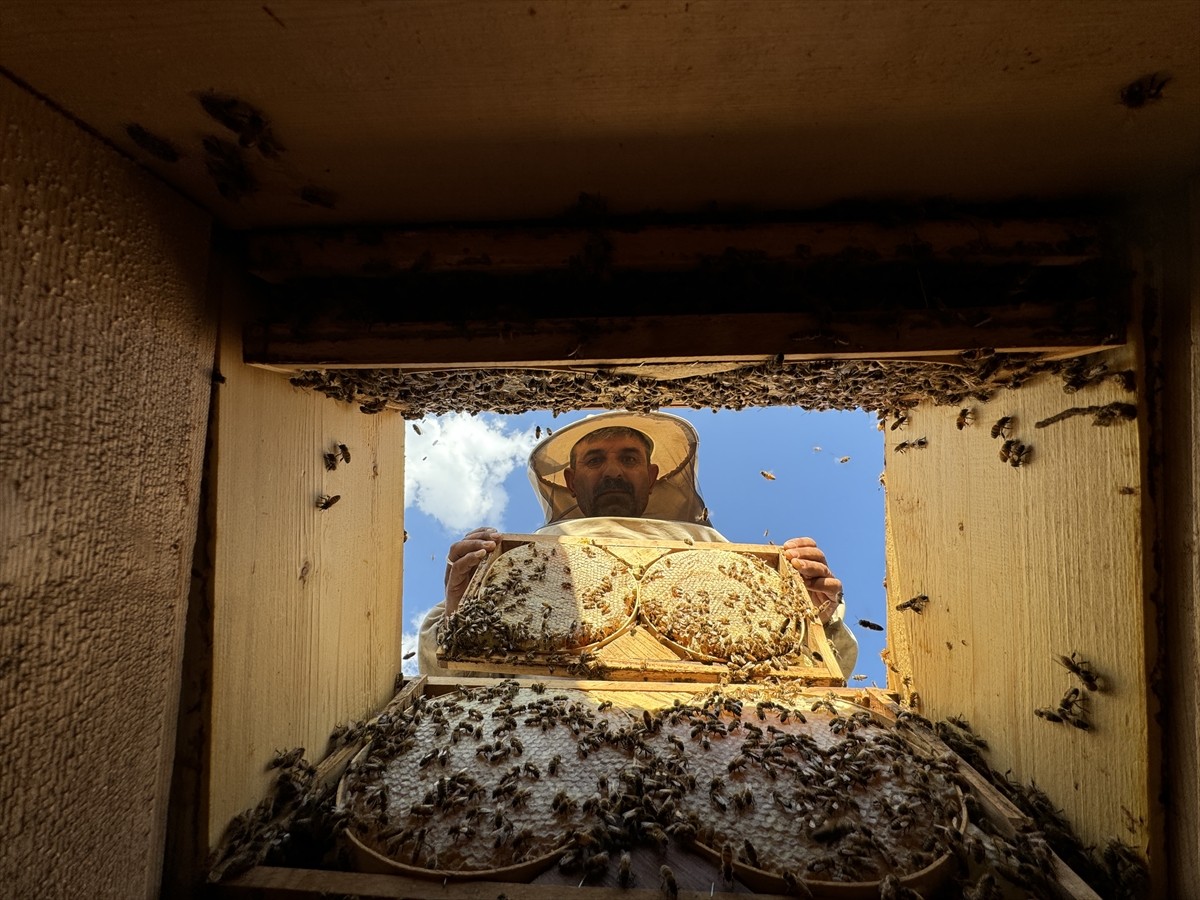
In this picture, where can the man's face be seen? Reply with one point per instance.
(611, 477)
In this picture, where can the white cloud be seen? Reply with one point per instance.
(454, 470)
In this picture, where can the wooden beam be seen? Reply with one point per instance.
(366, 252)
(622, 340)
(271, 882)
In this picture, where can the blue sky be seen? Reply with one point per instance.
(462, 471)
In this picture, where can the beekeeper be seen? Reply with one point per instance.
(626, 475)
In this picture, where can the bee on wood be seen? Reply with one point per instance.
(1145, 90)
(965, 418)
(900, 421)
(727, 862)
(916, 604)
(325, 500)
(1045, 712)
(1020, 455)
(1003, 427)
(920, 443)
(670, 887)
(1006, 450)
(625, 870)
(869, 625)
(344, 453)
(1081, 669)
(902, 447)
(372, 407)
(331, 461)
(770, 476)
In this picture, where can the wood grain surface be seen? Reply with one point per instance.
(106, 343)
(1022, 565)
(306, 602)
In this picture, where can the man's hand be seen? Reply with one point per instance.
(807, 559)
(462, 560)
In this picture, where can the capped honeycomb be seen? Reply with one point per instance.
(492, 778)
(718, 604)
(484, 779)
(817, 793)
(548, 597)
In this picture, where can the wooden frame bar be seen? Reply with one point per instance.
(367, 252)
(728, 337)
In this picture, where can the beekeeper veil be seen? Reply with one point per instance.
(676, 494)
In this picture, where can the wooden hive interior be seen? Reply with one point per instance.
(458, 200)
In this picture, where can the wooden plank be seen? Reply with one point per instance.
(712, 337)
(1021, 565)
(106, 341)
(306, 612)
(270, 882)
(278, 256)
(1173, 297)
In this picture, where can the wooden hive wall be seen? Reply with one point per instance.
(1021, 565)
(106, 342)
(306, 612)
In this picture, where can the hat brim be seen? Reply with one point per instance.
(674, 452)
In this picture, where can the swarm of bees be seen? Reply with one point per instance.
(488, 778)
(723, 605)
(814, 384)
(531, 600)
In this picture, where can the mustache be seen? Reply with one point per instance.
(613, 484)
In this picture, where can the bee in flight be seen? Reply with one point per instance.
(770, 476)
(869, 625)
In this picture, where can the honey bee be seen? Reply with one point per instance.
(916, 604)
(859, 677)
(555, 762)
(331, 461)
(1020, 455)
(920, 443)
(670, 887)
(703, 517)
(537, 432)
(965, 418)
(1045, 712)
(416, 427)
(1081, 669)
(750, 853)
(1006, 450)
(900, 421)
(625, 870)
(344, 452)
(1003, 427)
(902, 447)
(325, 501)
(869, 625)
(727, 862)
(767, 475)
(843, 459)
